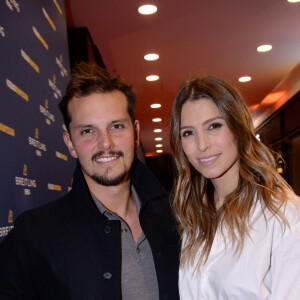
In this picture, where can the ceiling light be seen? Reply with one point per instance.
(157, 130)
(156, 105)
(152, 77)
(244, 79)
(151, 56)
(264, 48)
(293, 1)
(147, 9)
(158, 145)
(156, 120)
(158, 138)
(159, 151)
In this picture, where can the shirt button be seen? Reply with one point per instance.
(205, 273)
(124, 230)
(138, 250)
(107, 229)
(107, 275)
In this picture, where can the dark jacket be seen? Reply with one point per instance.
(68, 250)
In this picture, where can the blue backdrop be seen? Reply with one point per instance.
(35, 166)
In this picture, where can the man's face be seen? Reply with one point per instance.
(102, 137)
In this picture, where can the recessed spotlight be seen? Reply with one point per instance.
(157, 130)
(156, 120)
(158, 145)
(152, 77)
(151, 56)
(156, 105)
(244, 79)
(264, 48)
(147, 9)
(159, 151)
(158, 138)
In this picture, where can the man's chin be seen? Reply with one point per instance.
(110, 181)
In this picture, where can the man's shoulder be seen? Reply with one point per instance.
(147, 185)
(50, 213)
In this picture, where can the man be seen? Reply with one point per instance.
(112, 236)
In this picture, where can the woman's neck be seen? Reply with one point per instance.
(225, 185)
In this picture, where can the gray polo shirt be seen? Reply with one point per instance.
(138, 275)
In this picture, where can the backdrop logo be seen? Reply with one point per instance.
(5, 230)
(25, 182)
(17, 90)
(57, 6)
(48, 19)
(61, 156)
(54, 187)
(56, 90)
(44, 110)
(11, 4)
(7, 129)
(37, 144)
(2, 31)
(37, 34)
(10, 217)
(63, 70)
(25, 170)
(30, 61)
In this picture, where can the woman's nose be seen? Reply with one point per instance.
(203, 141)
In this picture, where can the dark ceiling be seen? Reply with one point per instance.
(192, 37)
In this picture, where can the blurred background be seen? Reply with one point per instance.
(254, 45)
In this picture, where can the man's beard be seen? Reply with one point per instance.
(105, 179)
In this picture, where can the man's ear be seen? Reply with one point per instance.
(69, 144)
(137, 133)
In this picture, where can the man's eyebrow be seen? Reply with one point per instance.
(83, 126)
(119, 120)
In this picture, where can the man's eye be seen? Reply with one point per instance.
(85, 131)
(215, 126)
(117, 126)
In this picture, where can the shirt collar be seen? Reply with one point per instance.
(103, 210)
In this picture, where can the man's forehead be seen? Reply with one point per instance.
(96, 108)
(111, 96)
(115, 101)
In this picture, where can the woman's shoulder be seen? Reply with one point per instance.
(288, 227)
(292, 208)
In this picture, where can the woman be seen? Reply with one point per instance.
(238, 219)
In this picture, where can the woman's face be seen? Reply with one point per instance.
(207, 141)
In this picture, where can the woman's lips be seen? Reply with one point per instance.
(208, 160)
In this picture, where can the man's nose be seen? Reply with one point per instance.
(105, 140)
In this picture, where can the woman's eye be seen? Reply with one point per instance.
(187, 133)
(215, 126)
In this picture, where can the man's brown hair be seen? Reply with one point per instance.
(90, 78)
